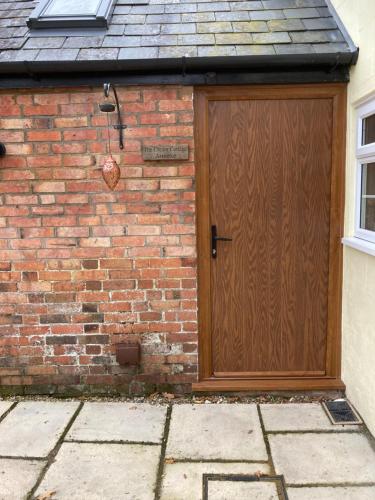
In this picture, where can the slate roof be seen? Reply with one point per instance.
(159, 29)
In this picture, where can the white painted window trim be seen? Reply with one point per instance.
(363, 239)
(363, 112)
(361, 245)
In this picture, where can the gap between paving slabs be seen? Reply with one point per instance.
(167, 465)
(53, 453)
(161, 467)
(325, 486)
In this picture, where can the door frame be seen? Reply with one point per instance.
(202, 97)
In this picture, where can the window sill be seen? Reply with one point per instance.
(361, 245)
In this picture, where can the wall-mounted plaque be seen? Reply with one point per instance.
(166, 152)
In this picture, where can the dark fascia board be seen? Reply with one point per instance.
(317, 75)
(183, 63)
(38, 21)
(287, 68)
(251, 76)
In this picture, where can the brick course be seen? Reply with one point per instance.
(83, 268)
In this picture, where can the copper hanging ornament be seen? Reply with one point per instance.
(110, 171)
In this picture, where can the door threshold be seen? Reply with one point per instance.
(296, 384)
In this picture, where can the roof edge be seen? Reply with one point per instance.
(345, 33)
(183, 64)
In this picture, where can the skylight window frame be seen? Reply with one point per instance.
(38, 20)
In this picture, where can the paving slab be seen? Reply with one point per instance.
(183, 480)
(33, 428)
(17, 477)
(102, 471)
(237, 490)
(299, 417)
(323, 458)
(216, 432)
(4, 406)
(119, 422)
(330, 493)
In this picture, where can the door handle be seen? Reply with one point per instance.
(214, 239)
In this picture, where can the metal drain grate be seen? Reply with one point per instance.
(278, 481)
(341, 412)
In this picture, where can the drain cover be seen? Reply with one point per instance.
(341, 412)
(243, 486)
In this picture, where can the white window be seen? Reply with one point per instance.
(365, 198)
(71, 14)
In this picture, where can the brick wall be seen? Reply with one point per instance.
(82, 267)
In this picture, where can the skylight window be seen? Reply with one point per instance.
(71, 14)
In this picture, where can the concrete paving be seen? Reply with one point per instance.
(183, 481)
(323, 458)
(299, 417)
(140, 451)
(17, 477)
(33, 428)
(102, 471)
(230, 490)
(329, 493)
(4, 406)
(216, 432)
(119, 422)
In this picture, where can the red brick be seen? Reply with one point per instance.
(80, 135)
(61, 98)
(10, 110)
(69, 173)
(44, 161)
(84, 248)
(48, 109)
(75, 121)
(78, 161)
(176, 131)
(174, 105)
(43, 135)
(11, 136)
(142, 185)
(72, 232)
(14, 187)
(77, 109)
(49, 187)
(156, 118)
(71, 147)
(141, 132)
(176, 184)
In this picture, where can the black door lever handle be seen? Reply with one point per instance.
(214, 239)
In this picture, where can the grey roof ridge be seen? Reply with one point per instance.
(353, 48)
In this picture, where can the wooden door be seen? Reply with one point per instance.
(270, 180)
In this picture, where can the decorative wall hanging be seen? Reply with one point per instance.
(110, 170)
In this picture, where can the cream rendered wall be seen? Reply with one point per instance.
(358, 352)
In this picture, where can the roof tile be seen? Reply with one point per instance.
(271, 38)
(250, 26)
(286, 25)
(150, 29)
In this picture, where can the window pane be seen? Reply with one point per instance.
(368, 130)
(368, 197)
(72, 8)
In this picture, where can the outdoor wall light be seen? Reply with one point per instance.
(110, 170)
(3, 149)
(109, 107)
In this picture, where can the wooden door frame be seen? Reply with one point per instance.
(202, 96)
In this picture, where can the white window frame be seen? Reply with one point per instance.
(365, 154)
